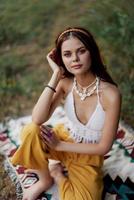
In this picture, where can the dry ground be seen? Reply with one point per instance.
(7, 188)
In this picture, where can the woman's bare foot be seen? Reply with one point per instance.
(44, 183)
(34, 191)
(56, 171)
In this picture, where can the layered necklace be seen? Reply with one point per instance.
(85, 91)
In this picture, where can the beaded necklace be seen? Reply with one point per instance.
(85, 92)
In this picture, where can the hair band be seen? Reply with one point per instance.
(73, 30)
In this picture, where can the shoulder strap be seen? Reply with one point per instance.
(97, 89)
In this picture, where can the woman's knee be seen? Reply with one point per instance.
(30, 129)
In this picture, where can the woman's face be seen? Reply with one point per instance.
(75, 56)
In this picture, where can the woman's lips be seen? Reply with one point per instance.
(76, 66)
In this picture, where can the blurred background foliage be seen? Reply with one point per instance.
(28, 29)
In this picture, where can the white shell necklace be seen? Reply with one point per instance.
(85, 92)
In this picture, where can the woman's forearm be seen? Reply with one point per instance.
(42, 108)
(91, 149)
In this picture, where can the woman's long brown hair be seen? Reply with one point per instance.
(97, 66)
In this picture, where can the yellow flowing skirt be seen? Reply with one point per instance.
(85, 178)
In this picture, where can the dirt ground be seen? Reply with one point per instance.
(7, 188)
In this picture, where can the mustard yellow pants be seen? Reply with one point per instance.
(85, 178)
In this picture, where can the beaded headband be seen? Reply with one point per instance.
(73, 30)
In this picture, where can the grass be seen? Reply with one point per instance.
(28, 31)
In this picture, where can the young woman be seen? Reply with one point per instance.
(92, 103)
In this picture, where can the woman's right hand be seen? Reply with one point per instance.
(54, 66)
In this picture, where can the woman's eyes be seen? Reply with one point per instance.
(81, 51)
(67, 54)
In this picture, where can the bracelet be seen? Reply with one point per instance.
(51, 88)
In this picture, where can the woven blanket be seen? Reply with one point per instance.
(118, 164)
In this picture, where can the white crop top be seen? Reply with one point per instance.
(90, 132)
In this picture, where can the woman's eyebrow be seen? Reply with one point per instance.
(76, 49)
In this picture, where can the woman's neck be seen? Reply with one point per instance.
(85, 79)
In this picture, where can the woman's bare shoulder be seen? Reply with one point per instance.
(66, 84)
(110, 93)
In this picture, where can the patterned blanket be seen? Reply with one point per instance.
(118, 165)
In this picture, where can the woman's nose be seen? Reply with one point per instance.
(75, 57)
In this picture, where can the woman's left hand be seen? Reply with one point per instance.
(49, 137)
